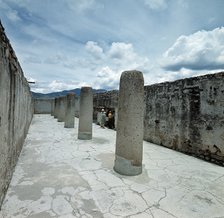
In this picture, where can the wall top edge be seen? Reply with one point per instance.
(209, 76)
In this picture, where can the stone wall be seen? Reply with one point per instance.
(42, 106)
(16, 111)
(107, 100)
(185, 115)
(46, 106)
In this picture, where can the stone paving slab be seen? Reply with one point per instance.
(58, 175)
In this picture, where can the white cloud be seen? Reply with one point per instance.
(107, 78)
(203, 50)
(13, 16)
(56, 86)
(55, 59)
(61, 85)
(10, 13)
(121, 50)
(119, 57)
(95, 50)
(156, 4)
(124, 57)
(38, 90)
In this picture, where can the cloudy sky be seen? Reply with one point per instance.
(66, 44)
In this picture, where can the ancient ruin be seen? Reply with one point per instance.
(58, 175)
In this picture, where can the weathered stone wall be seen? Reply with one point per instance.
(45, 106)
(106, 100)
(42, 106)
(187, 115)
(16, 111)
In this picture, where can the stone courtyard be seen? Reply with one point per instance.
(58, 175)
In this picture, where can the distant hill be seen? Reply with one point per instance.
(62, 93)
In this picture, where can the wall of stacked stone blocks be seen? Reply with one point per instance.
(16, 111)
(185, 115)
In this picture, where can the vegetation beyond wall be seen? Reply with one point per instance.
(16, 111)
(185, 115)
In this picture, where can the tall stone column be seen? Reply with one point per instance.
(61, 109)
(55, 107)
(85, 113)
(70, 111)
(115, 117)
(52, 107)
(77, 106)
(129, 139)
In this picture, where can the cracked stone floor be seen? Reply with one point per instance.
(58, 175)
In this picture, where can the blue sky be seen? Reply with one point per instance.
(66, 44)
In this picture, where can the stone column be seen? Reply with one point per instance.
(77, 106)
(61, 109)
(52, 107)
(70, 111)
(115, 117)
(129, 139)
(85, 113)
(55, 107)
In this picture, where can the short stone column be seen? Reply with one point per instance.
(61, 109)
(55, 107)
(129, 138)
(85, 113)
(52, 107)
(70, 111)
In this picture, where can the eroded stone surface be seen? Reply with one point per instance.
(70, 111)
(16, 111)
(85, 114)
(60, 176)
(129, 140)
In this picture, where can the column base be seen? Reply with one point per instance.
(84, 135)
(69, 125)
(125, 167)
